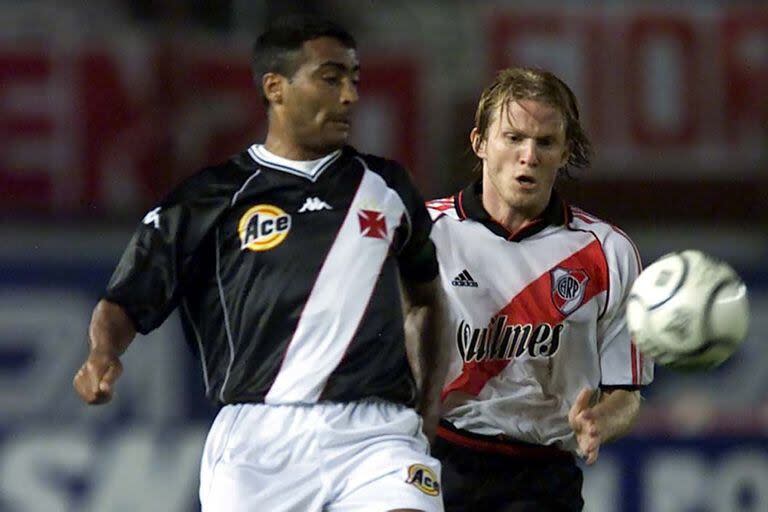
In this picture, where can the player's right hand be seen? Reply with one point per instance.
(95, 380)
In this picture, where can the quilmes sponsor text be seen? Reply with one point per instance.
(503, 341)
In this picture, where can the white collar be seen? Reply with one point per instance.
(310, 169)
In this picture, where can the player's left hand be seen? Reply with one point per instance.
(585, 424)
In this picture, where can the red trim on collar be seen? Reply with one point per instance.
(469, 205)
(460, 206)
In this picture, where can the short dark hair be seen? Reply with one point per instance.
(277, 49)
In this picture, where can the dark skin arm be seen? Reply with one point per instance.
(423, 308)
(110, 333)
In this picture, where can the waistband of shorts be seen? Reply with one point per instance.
(498, 444)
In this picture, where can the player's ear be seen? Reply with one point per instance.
(272, 85)
(478, 143)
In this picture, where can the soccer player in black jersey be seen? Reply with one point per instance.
(294, 266)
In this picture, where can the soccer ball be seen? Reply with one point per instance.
(688, 311)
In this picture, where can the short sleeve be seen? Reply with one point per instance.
(621, 364)
(417, 257)
(148, 277)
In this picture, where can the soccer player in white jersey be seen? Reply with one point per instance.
(289, 265)
(542, 366)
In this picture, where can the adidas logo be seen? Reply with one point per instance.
(464, 279)
(314, 204)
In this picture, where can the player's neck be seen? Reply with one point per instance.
(286, 148)
(511, 218)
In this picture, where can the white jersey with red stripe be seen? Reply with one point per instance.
(534, 317)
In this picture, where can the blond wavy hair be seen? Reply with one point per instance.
(519, 83)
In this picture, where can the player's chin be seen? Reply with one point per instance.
(525, 199)
(335, 139)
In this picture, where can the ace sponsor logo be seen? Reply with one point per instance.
(424, 479)
(263, 227)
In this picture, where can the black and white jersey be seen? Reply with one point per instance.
(286, 275)
(535, 316)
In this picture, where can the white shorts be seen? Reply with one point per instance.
(346, 457)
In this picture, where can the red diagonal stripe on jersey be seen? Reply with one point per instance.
(441, 204)
(534, 305)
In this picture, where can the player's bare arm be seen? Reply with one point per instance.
(610, 418)
(110, 333)
(423, 305)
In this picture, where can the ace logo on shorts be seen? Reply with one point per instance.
(424, 479)
(263, 227)
(568, 287)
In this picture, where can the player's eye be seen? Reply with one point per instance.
(331, 79)
(514, 137)
(545, 141)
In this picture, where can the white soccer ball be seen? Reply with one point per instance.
(688, 310)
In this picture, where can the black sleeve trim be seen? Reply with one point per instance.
(132, 316)
(625, 387)
(421, 267)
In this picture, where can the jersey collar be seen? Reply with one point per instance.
(469, 205)
(310, 169)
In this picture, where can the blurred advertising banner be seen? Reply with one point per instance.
(700, 444)
(107, 123)
(658, 87)
(111, 127)
(679, 474)
(141, 452)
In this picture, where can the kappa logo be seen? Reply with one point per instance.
(568, 288)
(152, 218)
(424, 479)
(373, 224)
(314, 204)
(263, 227)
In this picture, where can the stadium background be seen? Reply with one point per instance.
(104, 105)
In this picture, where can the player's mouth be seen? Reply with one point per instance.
(526, 182)
(341, 121)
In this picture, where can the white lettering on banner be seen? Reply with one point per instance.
(647, 93)
(372, 122)
(28, 461)
(602, 485)
(657, 86)
(149, 472)
(665, 105)
(37, 109)
(48, 328)
(741, 471)
(687, 480)
(675, 482)
(136, 469)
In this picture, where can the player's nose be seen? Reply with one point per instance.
(529, 153)
(349, 94)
